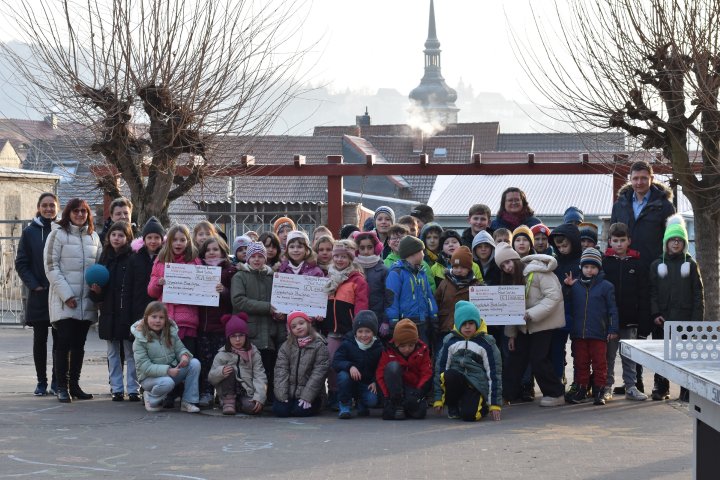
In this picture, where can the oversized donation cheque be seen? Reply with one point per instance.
(191, 284)
(500, 305)
(299, 292)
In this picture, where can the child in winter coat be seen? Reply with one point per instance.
(375, 275)
(479, 220)
(298, 258)
(162, 361)
(404, 373)
(272, 247)
(211, 333)
(202, 231)
(347, 293)
(301, 369)
(430, 235)
(383, 219)
(237, 371)
(483, 249)
(251, 290)
(282, 228)
(522, 241)
(141, 263)
(396, 233)
(323, 248)
(408, 289)
(450, 242)
(115, 303)
(178, 249)
(468, 370)
(595, 322)
(240, 248)
(676, 291)
(355, 363)
(541, 239)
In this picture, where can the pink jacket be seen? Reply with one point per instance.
(310, 269)
(185, 316)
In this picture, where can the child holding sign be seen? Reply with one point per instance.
(298, 258)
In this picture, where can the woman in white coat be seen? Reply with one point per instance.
(72, 247)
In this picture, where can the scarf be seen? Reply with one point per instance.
(364, 347)
(368, 261)
(213, 262)
(460, 282)
(305, 341)
(514, 220)
(242, 353)
(337, 277)
(586, 280)
(296, 270)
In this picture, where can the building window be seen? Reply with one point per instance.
(66, 171)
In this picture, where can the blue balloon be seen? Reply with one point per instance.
(97, 274)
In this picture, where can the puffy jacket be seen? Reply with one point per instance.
(569, 263)
(250, 292)
(417, 367)
(409, 294)
(543, 297)
(250, 374)
(394, 257)
(446, 296)
(153, 357)
(477, 358)
(115, 300)
(185, 316)
(646, 232)
(307, 269)
(68, 253)
(140, 265)
(677, 297)
(439, 269)
(30, 267)
(594, 311)
(349, 355)
(210, 316)
(300, 372)
(375, 277)
(351, 296)
(632, 289)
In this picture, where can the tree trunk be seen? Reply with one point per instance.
(707, 250)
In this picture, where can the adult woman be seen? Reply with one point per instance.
(514, 211)
(71, 249)
(29, 265)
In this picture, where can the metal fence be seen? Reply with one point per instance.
(12, 290)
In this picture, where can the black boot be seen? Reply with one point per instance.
(76, 361)
(661, 388)
(598, 395)
(61, 371)
(684, 395)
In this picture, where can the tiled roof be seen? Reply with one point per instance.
(557, 142)
(25, 131)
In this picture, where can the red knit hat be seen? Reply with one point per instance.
(296, 314)
(540, 228)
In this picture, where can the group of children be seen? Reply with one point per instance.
(399, 328)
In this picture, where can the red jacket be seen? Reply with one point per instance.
(185, 316)
(417, 368)
(351, 296)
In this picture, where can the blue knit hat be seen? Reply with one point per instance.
(466, 312)
(573, 215)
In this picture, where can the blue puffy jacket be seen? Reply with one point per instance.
(593, 309)
(410, 294)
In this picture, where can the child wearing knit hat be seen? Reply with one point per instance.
(404, 373)
(398, 235)
(450, 243)
(237, 371)
(588, 235)
(468, 370)
(541, 235)
(141, 263)
(298, 257)
(355, 363)
(522, 241)
(594, 313)
(239, 248)
(282, 227)
(383, 218)
(676, 289)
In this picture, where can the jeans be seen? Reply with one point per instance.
(158, 387)
(349, 389)
(629, 374)
(40, 337)
(115, 366)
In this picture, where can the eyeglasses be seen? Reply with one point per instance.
(79, 211)
(676, 240)
(513, 200)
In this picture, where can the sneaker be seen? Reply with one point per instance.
(607, 393)
(633, 393)
(453, 412)
(571, 392)
(579, 396)
(552, 401)
(206, 400)
(133, 397)
(148, 406)
(188, 407)
(344, 411)
(41, 389)
(619, 390)
(118, 397)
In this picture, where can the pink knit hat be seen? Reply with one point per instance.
(235, 324)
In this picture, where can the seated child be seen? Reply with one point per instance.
(301, 369)
(355, 362)
(162, 361)
(468, 371)
(237, 371)
(404, 373)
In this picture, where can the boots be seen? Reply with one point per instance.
(598, 395)
(76, 361)
(579, 396)
(394, 409)
(228, 404)
(661, 388)
(61, 363)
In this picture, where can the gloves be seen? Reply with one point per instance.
(303, 404)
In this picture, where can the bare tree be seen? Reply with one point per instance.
(652, 69)
(159, 83)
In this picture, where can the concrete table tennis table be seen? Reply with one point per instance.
(702, 379)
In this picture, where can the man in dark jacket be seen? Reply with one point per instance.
(120, 210)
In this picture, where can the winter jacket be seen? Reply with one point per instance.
(647, 231)
(375, 277)
(300, 372)
(185, 316)
(307, 269)
(250, 374)
(115, 300)
(350, 297)
(477, 358)
(530, 221)
(153, 357)
(446, 296)
(442, 265)
(594, 311)
(30, 268)
(250, 292)
(68, 253)
(409, 294)
(677, 297)
(569, 263)
(417, 367)
(140, 266)
(543, 297)
(491, 273)
(210, 316)
(394, 257)
(349, 355)
(632, 289)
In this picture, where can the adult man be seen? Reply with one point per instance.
(120, 210)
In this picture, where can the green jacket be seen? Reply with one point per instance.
(677, 296)
(437, 271)
(250, 291)
(154, 357)
(394, 257)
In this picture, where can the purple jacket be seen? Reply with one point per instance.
(307, 269)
